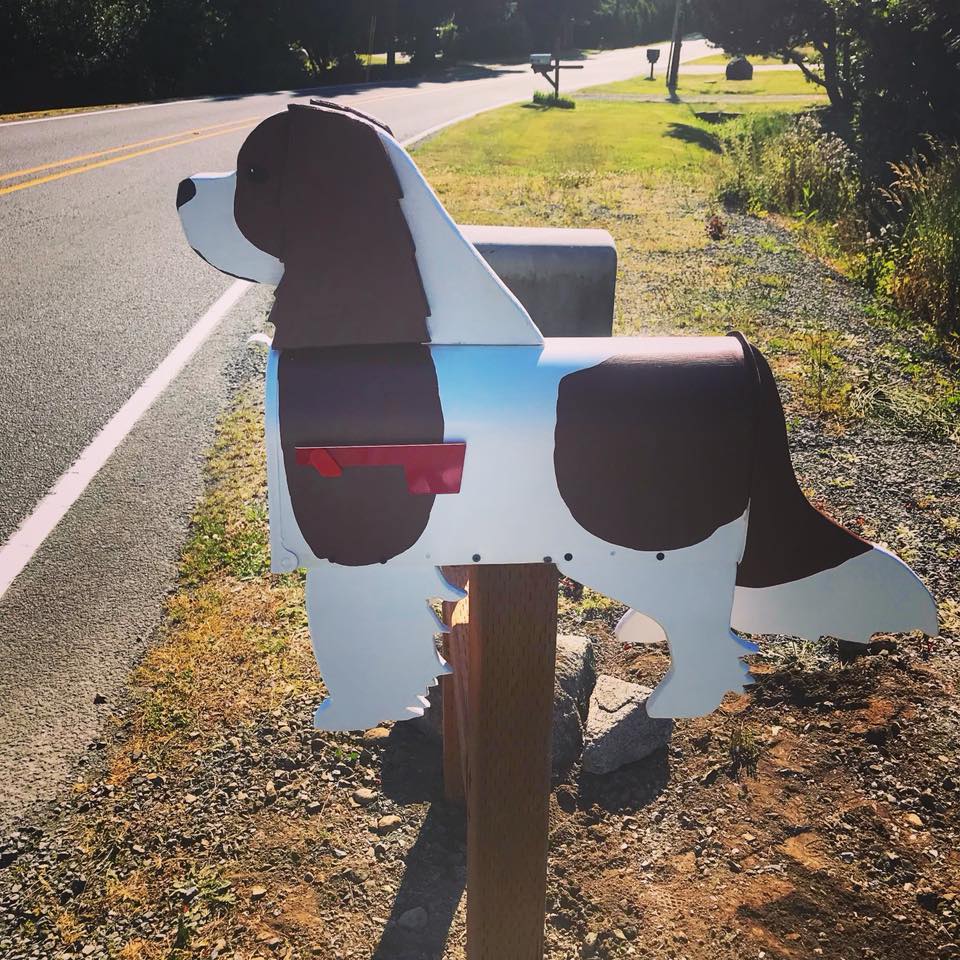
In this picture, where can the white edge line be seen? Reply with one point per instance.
(17, 552)
(20, 548)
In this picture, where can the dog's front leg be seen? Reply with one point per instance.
(373, 636)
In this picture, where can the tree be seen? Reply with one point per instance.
(892, 66)
(782, 28)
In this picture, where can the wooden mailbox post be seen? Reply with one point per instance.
(497, 724)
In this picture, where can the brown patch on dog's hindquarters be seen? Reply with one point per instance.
(653, 448)
(316, 189)
(658, 449)
(357, 395)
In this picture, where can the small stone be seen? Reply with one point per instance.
(388, 823)
(314, 807)
(415, 919)
(364, 796)
(913, 820)
(270, 791)
(339, 854)
(99, 699)
(376, 735)
(257, 893)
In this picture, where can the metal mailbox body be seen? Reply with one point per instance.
(416, 417)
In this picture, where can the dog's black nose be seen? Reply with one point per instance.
(186, 192)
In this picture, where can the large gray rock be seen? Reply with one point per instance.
(575, 677)
(739, 68)
(567, 733)
(576, 674)
(618, 730)
(565, 278)
(576, 670)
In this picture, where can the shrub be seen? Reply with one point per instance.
(922, 263)
(543, 99)
(791, 165)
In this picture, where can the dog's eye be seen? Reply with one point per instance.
(256, 174)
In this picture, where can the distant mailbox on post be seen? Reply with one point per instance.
(653, 55)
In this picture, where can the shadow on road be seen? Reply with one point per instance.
(472, 71)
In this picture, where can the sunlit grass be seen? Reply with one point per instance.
(765, 83)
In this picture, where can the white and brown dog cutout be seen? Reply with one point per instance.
(416, 418)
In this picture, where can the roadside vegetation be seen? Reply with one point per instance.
(765, 83)
(542, 98)
(813, 815)
(876, 179)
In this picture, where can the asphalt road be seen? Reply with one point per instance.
(98, 288)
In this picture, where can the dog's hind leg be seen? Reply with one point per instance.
(687, 594)
(373, 636)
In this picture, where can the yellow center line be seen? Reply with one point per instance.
(124, 146)
(231, 126)
(111, 160)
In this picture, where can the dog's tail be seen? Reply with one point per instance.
(801, 574)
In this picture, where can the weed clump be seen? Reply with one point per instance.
(921, 269)
(744, 749)
(902, 237)
(543, 99)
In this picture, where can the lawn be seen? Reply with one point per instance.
(757, 61)
(597, 137)
(770, 83)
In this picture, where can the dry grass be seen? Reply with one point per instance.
(235, 640)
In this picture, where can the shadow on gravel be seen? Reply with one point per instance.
(435, 875)
(627, 790)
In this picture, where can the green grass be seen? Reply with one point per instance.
(597, 137)
(770, 83)
(758, 61)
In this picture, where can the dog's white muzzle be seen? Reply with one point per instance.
(205, 205)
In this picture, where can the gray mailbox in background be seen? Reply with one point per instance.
(565, 278)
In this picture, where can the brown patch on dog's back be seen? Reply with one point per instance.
(357, 396)
(653, 449)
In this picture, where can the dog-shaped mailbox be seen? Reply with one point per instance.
(415, 417)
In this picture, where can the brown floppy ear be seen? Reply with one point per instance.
(350, 267)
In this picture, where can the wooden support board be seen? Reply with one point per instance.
(503, 647)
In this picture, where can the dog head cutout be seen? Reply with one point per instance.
(323, 203)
